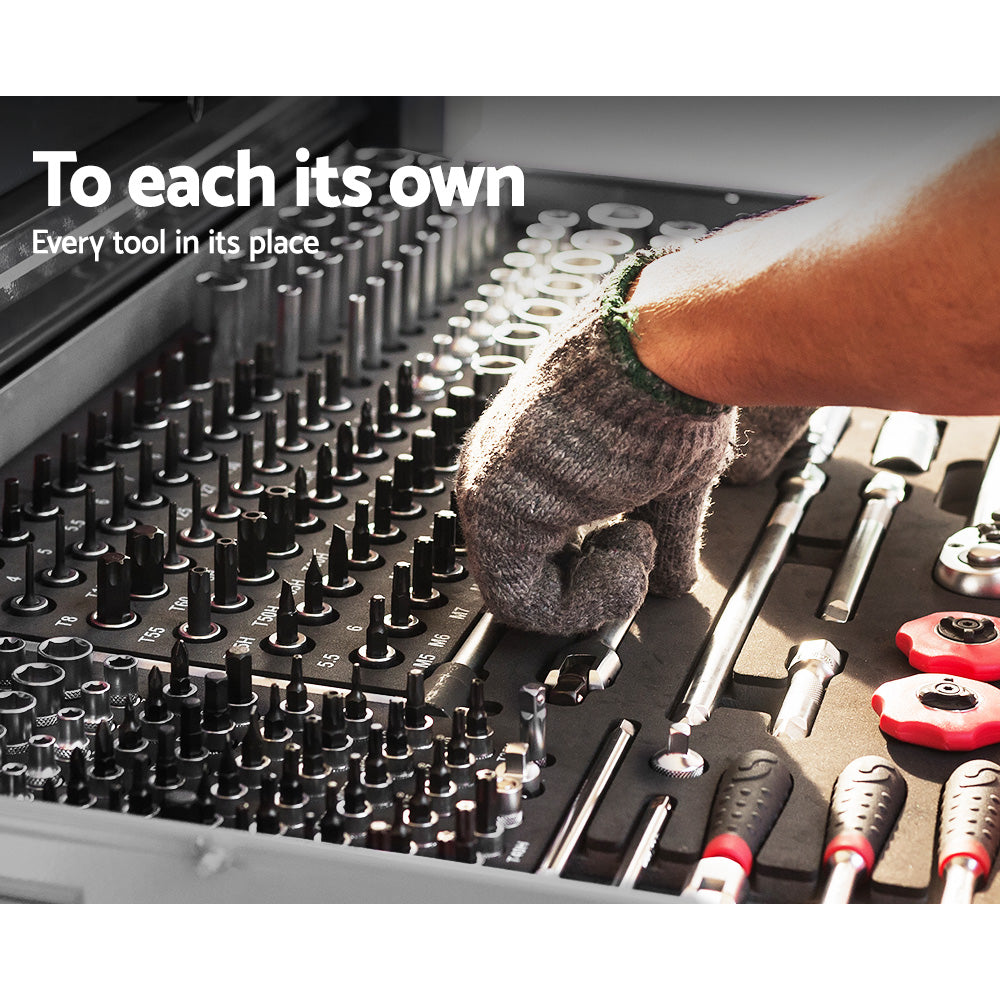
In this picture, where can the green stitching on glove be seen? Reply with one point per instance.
(618, 319)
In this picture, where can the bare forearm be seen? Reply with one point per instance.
(885, 295)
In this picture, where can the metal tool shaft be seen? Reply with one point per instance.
(639, 851)
(714, 665)
(585, 802)
(884, 493)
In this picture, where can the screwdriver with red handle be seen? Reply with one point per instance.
(968, 829)
(752, 792)
(867, 799)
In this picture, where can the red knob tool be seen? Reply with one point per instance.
(954, 642)
(941, 711)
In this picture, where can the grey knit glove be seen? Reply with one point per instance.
(582, 434)
(764, 434)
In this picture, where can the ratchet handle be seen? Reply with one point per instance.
(969, 824)
(751, 794)
(867, 799)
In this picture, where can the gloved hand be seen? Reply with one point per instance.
(764, 434)
(581, 434)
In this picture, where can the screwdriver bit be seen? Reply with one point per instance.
(357, 715)
(305, 519)
(197, 534)
(172, 474)
(325, 495)
(278, 504)
(114, 585)
(402, 505)
(422, 590)
(331, 824)
(247, 486)
(292, 798)
(334, 400)
(239, 688)
(217, 725)
(145, 496)
(270, 464)
(459, 758)
(339, 582)
(196, 451)
(354, 808)
(155, 710)
(367, 449)
(141, 801)
(69, 482)
(41, 506)
(223, 509)
(336, 742)
(363, 557)
(478, 732)
(251, 539)
(191, 752)
(383, 531)
(376, 780)
(252, 762)
(145, 547)
(296, 704)
(268, 819)
(228, 792)
(174, 561)
(129, 742)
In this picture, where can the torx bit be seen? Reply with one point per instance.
(347, 474)
(354, 808)
(383, 531)
(197, 534)
(265, 390)
(376, 780)
(60, 573)
(228, 792)
(114, 585)
(268, 819)
(478, 731)
(174, 561)
(405, 408)
(247, 486)
(245, 408)
(195, 450)
(252, 761)
(315, 422)
(292, 798)
(77, 791)
(175, 394)
(226, 596)
(336, 741)
(41, 506)
(223, 509)
(422, 592)
(251, 535)
(166, 773)
(401, 621)
(367, 448)
(123, 436)
(293, 441)
(357, 715)
(221, 428)
(444, 565)
(69, 483)
(325, 495)
(339, 582)
(129, 741)
(95, 448)
(199, 626)
(140, 797)
(398, 755)
(867, 799)
(424, 477)
(362, 555)
(172, 474)
(270, 464)
(296, 704)
(402, 505)
(305, 519)
(459, 758)
(334, 400)
(418, 724)
(145, 548)
(331, 824)
(278, 504)
(376, 652)
(118, 522)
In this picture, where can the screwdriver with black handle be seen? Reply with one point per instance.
(752, 792)
(968, 829)
(867, 799)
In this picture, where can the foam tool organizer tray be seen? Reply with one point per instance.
(233, 595)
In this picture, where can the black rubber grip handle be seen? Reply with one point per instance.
(970, 811)
(751, 794)
(867, 799)
(450, 688)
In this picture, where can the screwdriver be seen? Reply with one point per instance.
(868, 797)
(968, 829)
(751, 794)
